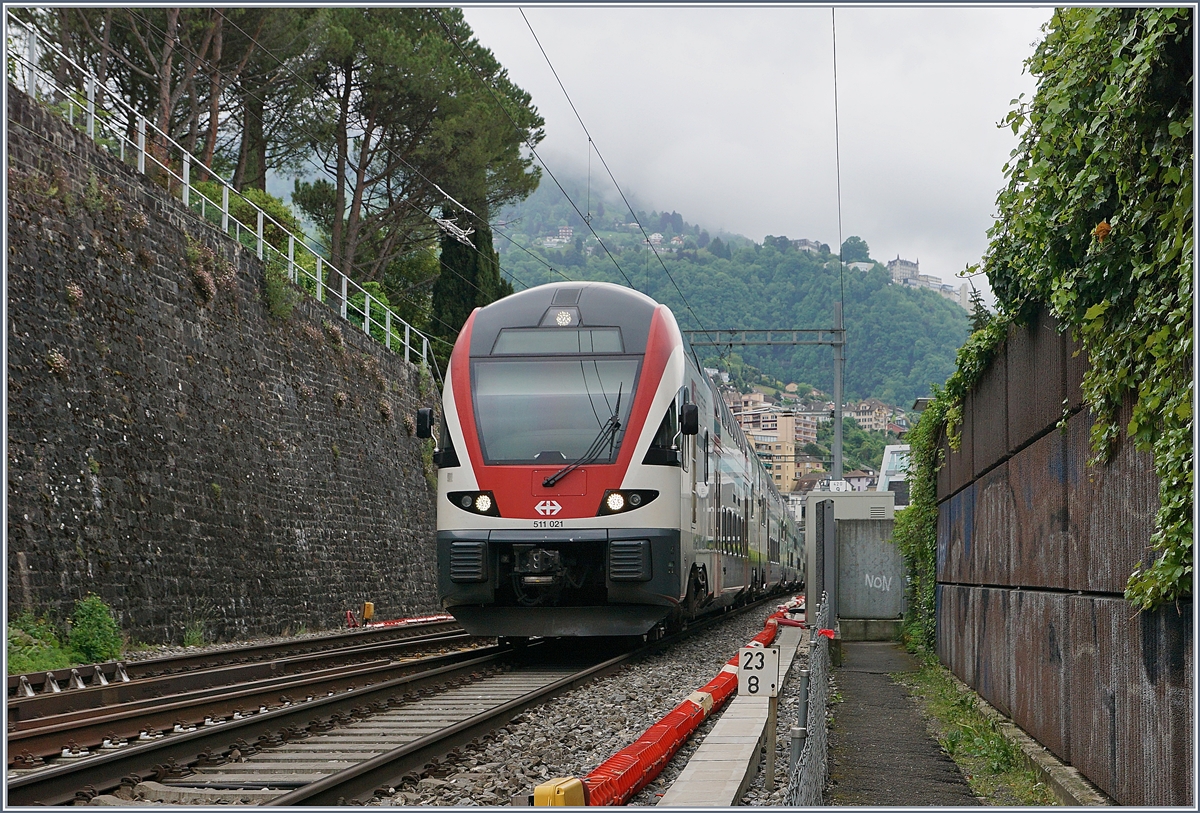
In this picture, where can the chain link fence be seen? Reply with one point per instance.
(807, 781)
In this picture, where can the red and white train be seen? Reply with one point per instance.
(590, 479)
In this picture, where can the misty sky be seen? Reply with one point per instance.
(726, 115)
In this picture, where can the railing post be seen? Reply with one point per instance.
(345, 301)
(291, 257)
(31, 72)
(260, 233)
(320, 281)
(141, 136)
(225, 209)
(187, 178)
(91, 106)
(367, 312)
(387, 328)
(407, 340)
(424, 349)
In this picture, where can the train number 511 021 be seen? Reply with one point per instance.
(547, 523)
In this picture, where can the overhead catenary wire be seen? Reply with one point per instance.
(532, 149)
(592, 146)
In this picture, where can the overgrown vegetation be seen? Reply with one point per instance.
(991, 763)
(35, 644)
(1096, 223)
(94, 632)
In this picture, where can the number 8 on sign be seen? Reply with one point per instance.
(758, 672)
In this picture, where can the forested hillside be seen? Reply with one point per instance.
(900, 340)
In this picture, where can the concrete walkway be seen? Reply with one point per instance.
(880, 752)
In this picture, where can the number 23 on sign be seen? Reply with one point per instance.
(758, 672)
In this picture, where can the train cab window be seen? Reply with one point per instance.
(554, 341)
(445, 457)
(661, 452)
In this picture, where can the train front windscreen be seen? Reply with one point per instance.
(552, 409)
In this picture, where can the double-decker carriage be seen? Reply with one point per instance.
(590, 479)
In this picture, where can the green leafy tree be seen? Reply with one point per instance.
(1096, 221)
(980, 315)
(855, 249)
(400, 120)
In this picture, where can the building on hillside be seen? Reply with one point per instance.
(807, 464)
(903, 270)
(860, 479)
(859, 265)
(566, 233)
(778, 454)
(811, 246)
(872, 414)
(744, 402)
(677, 240)
(655, 239)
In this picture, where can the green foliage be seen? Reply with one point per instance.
(901, 338)
(94, 632)
(1097, 222)
(34, 646)
(194, 635)
(855, 249)
(861, 449)
(993, 764)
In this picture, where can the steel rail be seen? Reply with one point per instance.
(28, 712)
(152, 667)
(59, 783)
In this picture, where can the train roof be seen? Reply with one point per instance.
(586, 304)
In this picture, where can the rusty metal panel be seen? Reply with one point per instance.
(1075, 364)
(992, 651)
(1036, 379)
(941, 573)
(955, 630)
(962, 462)
(1041, 646)
(989, 418)
(994, 533)
(1111, 510)
(1039, 488)
(943, 473)
(1131, 702)
(960, 529)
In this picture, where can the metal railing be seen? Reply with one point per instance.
(125, 132)
(810, 740)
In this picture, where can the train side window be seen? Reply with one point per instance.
(661, 452)
(445, 457)
(707, 452)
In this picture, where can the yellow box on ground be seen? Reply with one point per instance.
(559, 793)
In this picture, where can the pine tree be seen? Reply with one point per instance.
(980, 315)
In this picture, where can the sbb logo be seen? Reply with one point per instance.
(547, 508)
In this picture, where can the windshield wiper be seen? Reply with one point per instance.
(607, 432)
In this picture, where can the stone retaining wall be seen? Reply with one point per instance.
(171, 446)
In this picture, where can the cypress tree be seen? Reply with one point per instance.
(470, 278)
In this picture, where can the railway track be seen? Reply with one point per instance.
(356, 740)
(65, 681)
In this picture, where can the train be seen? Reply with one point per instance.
(591, 480)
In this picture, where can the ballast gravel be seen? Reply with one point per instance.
(572, 734)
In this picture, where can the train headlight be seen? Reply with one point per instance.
(618, 501)
(476, 502)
